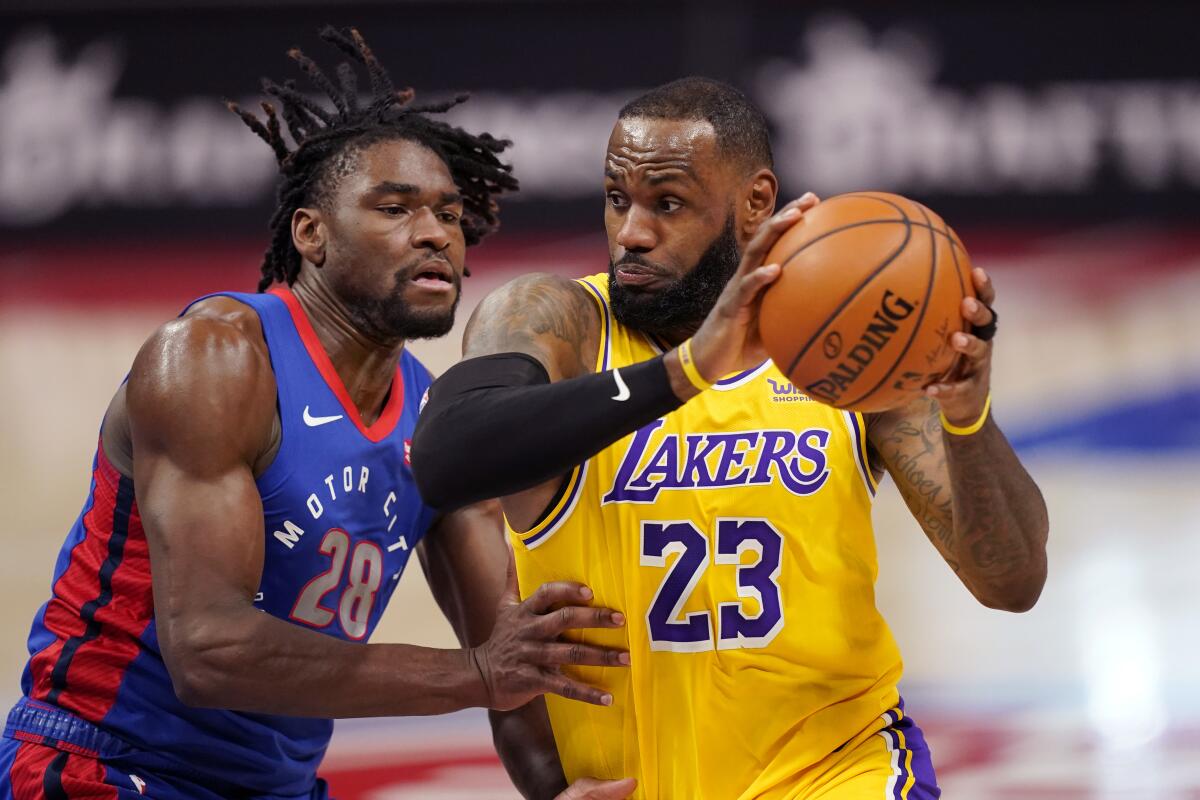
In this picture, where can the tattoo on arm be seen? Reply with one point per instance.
(546, 316)
(972, 497)
(914, 456)
(1003, 514)
(970, 494)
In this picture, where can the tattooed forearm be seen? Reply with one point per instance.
(999, 508)
(918, 467)
(974, 500)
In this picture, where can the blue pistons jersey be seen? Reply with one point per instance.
(341, 517)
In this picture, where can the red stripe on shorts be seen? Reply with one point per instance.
(28, 771)
(83, 779)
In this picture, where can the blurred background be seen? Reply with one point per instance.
(1062, 141)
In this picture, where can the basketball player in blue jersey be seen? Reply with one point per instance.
(629, 422)
(252, 505)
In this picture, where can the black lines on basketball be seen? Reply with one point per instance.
(924, 307)
(888, 293)
(850, 297)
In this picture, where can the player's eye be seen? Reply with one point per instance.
(616, 200)
(449, 217)
(393, 211)
(669, 204)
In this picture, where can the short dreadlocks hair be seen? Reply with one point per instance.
(327, 143)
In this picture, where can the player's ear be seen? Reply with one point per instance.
(308, 235)
(760, 199)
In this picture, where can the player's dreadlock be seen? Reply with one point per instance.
(327, 143)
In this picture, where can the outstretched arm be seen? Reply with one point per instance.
(201, 404)
(969, 492)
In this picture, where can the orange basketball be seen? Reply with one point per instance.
(871, 289)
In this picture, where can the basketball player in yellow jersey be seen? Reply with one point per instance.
(645, 447)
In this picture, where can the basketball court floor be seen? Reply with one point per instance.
(1094, 694)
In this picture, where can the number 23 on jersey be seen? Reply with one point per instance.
(694, 632)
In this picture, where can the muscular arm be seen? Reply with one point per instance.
(972, 497)
(201, 401)
(465, 558)
(201, 406)
(545, 316)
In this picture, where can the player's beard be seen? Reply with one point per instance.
(684, 303)
(392, 317)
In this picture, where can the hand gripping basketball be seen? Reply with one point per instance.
(869, 293)
(523, 657)
(728, 340)
(965, 391)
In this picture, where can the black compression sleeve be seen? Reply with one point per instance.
(495, 425)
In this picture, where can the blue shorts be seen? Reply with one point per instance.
(33, 771)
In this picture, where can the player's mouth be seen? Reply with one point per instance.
(434, 275)
(638, 276)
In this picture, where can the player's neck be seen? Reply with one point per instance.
(673, 337)
(365, 363)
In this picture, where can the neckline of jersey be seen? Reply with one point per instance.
(390, 414)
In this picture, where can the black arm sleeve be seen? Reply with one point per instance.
(495, 425)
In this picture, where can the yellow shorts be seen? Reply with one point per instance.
(886, 762)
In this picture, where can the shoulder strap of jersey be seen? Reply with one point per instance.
(599, 293)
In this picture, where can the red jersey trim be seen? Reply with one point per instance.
(101, 603)
(395, 403)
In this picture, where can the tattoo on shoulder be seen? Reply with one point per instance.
(543, 315)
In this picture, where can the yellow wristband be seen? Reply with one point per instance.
(972, 428)
(689, 367)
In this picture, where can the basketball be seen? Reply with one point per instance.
(870, 290)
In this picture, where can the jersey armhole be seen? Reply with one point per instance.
(856, 425)
(557, 512)
(604, 352)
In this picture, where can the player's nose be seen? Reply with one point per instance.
(428, 232)
(637, 232)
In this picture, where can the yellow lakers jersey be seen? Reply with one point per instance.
(735, 535)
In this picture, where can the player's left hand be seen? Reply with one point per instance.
(594, 789)
(964, 391)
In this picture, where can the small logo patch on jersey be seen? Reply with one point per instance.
(786, 392)
(424, 400)
(138, 784)
(622, 390)
(408, 452)
(313, 422)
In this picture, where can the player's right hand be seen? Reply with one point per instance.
(595, 789)
(728, 340)
(524, 656)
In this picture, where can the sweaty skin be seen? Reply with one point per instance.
(668, 191)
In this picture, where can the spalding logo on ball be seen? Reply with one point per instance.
(871, 289)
